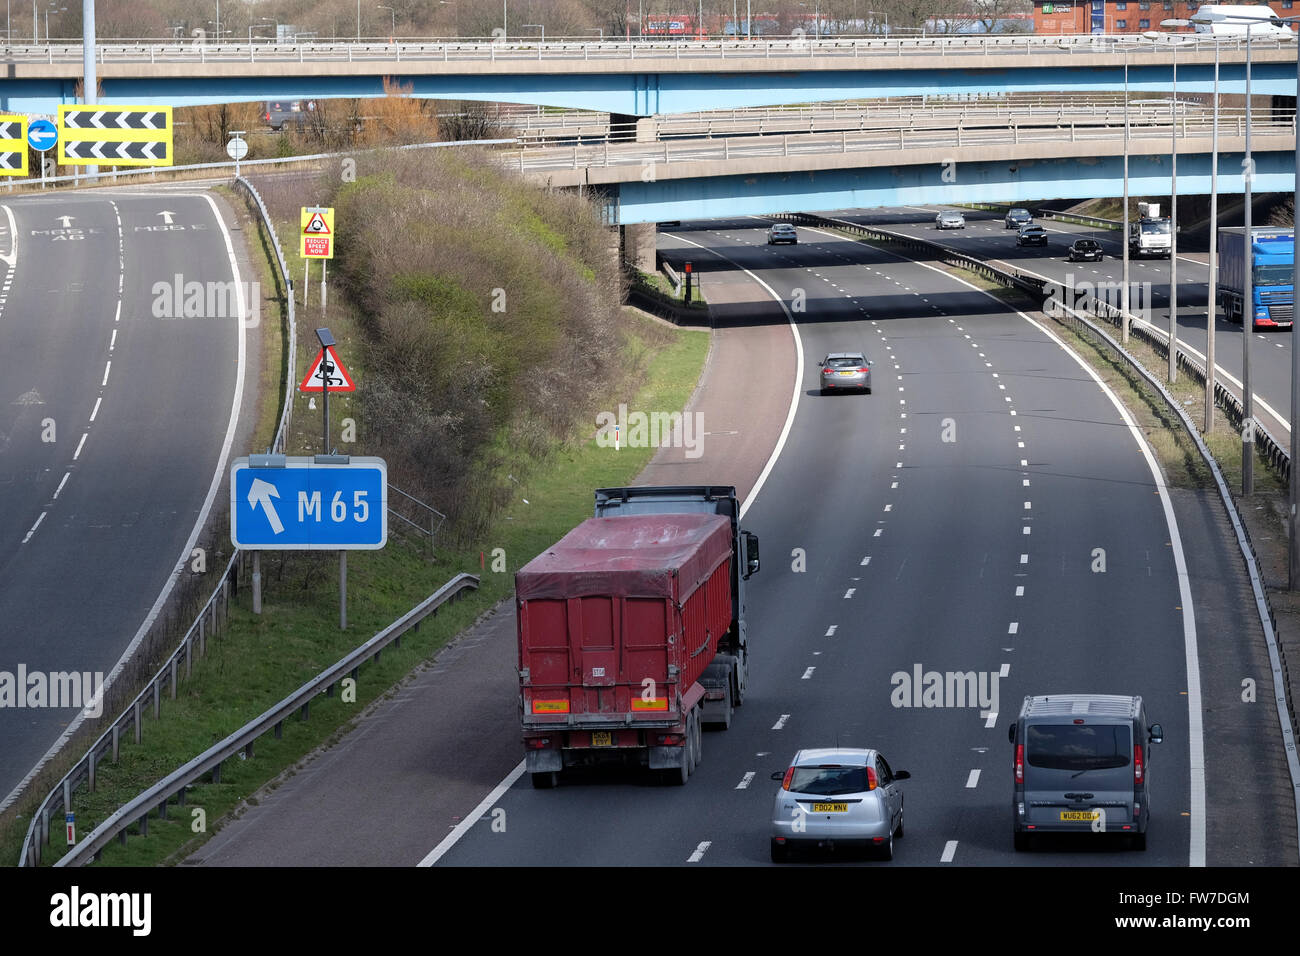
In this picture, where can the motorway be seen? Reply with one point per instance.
(117, 414)
(951, 520)
(986, 236)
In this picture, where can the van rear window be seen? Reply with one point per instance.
(1077, 746)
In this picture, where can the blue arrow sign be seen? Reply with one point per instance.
(297, 504)
(42, 134)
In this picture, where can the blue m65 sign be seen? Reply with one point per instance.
(281, 503)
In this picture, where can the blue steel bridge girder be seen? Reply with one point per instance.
(647, 94)
(722, 197)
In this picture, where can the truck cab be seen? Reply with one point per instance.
(1152, 234)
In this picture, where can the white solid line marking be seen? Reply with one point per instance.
(699, 852)
(76, 454)
(808, 673)
(107, 366)
(973, 780)
(849, 593)
(780, 722)
(95, 411)
(949, 851)
(746, 780)
(1014, 627)
(474, 816)
(66, 476)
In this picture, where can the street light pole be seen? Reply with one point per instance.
(1248, 309)
(1293, 552)
(1124, 286)
(1212, 305)
(1173, 231)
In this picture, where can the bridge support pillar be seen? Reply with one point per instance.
(638, 241)
(641, 129)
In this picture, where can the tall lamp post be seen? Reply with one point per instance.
(1173, 204)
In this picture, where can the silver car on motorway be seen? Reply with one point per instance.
(950, 220)
(844, 370)
(837, 797)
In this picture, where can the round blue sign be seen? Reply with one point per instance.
(42, 134)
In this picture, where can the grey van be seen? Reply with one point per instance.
(1082, 763)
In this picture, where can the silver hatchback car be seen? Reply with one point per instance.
(845, 370)
(841, 797)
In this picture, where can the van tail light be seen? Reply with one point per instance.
(785, 784)
(1137, 765)
(871, 778)
(1020, 763)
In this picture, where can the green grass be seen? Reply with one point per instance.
(657, 283)
(258, 660)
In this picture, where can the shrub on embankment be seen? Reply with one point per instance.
(492, 311)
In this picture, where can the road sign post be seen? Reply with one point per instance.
(321, 503)
(317, 242)
(237, 148)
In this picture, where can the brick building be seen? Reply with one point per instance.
(1124, 16)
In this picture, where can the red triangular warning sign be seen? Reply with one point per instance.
(338, 379)
(316, 225)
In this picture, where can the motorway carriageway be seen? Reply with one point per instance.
(116, 421)
(986, 237)
(885, 547)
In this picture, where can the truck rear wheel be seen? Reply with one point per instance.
(699, 737)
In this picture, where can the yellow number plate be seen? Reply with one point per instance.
(602, 738)
(830, 808)
(846, 373)
(1077, 816)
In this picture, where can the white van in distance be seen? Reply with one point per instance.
(1215, 17)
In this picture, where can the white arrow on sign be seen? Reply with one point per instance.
(66, 220)
(263, 491)
(167, 217)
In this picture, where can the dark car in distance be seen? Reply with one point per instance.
(1086, 250)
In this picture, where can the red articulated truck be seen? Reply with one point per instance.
(632, 632)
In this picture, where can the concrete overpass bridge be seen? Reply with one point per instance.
(637, 79)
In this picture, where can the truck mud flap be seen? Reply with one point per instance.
(544, 761)
(666, 758)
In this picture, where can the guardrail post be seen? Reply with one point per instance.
(329, 691)
(157, 700)
(137, 720)
(90, 764)
(162, 809)
(144, 824)
(180, 797)
(305, 710)
(67, 795)
(45, 831)
(116, 734)
(189, 644)
(173, 679)
(279, 729)
(121, 836)
(248, 750)
(203, 640)
(216, 773)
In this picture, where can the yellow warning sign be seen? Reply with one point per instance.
(13, 145)
(115, 135)
(317, 232)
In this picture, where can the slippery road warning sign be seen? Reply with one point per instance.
(317, 232)
(327, 372)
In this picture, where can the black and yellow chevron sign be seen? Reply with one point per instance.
(115, 135)
(13, 145)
